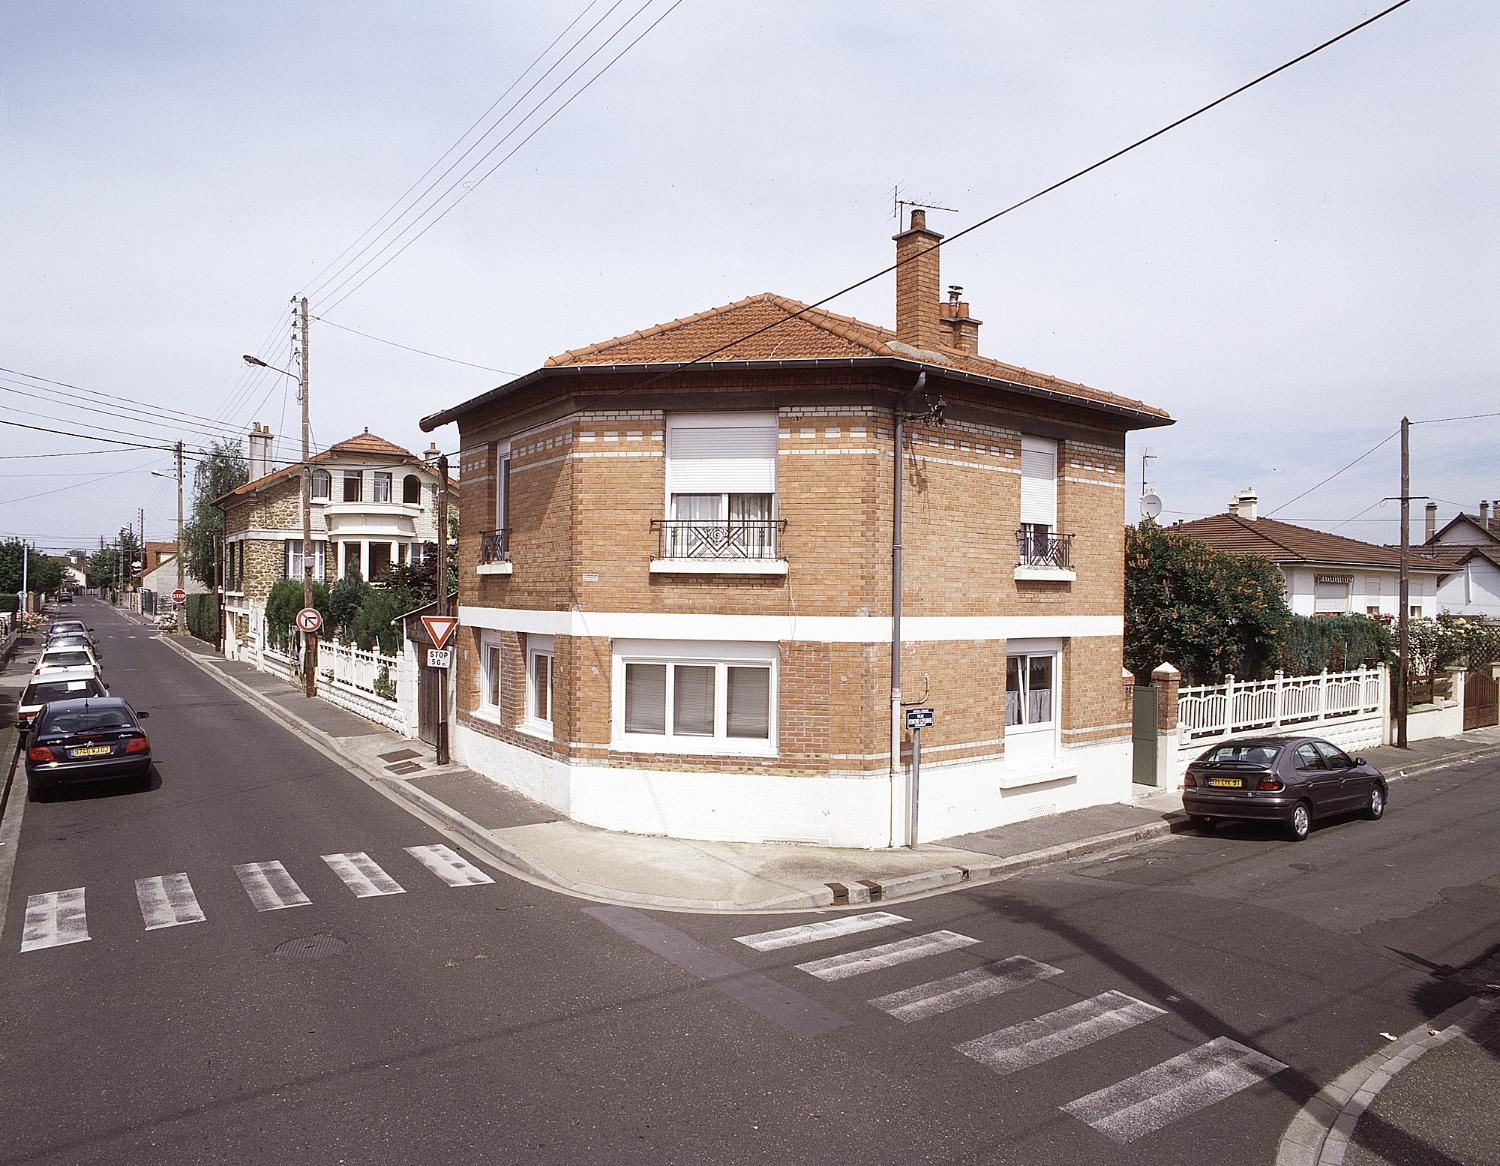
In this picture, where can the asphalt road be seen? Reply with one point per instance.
(1153, 993)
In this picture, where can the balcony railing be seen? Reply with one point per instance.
(718, 541)
(1038, 549)
(494, 546)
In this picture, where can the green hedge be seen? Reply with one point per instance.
(9, 602)
(202, 616)
(1338, 643)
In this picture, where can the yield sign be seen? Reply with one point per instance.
(440, 628)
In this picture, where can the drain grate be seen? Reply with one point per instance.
(311, 947)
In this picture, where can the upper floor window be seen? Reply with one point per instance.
(1038, 494)
(380, 486)
(353, 486)
(721, 486)
(322, 484)
(502, 489)
(294, 559)
(411, 490)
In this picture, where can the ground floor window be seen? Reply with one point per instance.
(1032, 701)
(490, 670)
(539, 684)
(695, 697)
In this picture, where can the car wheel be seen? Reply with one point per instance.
(1375, 808)
(1200, 823)
(1300, 823)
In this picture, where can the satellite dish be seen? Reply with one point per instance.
(1150, 505)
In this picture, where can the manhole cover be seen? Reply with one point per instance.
(311, 947)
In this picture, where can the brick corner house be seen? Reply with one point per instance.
(676, 563)
(373, 504)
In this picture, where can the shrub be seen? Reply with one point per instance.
(344, 601)
(282, 606)
(1338, 643)
(202, 614)
(375, 626)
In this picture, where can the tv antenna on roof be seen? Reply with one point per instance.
(898, 204)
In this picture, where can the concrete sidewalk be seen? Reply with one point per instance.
(715, 876)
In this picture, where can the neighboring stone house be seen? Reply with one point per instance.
(1468, 546)
(373, 504)
(1325, 574)
(676, 602)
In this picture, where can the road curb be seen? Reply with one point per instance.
(1319, 1134)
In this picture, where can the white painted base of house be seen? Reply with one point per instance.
(847, 811)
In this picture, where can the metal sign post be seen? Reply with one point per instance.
(917, 719)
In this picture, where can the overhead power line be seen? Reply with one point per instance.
(1015, 206)
(76, 485)
(1338, 471)
(419, 351)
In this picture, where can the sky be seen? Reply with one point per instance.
(1287, 275)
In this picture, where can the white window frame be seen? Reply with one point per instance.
(490, 642)
(502, 486)
(344, 478)
(722, 655)
(378, 479)
(294, 557)
(539, 646)
(319, 475)
(1050, 730)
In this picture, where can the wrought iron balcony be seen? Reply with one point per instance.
(1045, 550)
(695, 539)
(494, 546)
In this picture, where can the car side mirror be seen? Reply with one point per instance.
(1359, 761)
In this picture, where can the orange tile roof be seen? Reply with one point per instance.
(772, 327)
(1282, 542)
(364, 444)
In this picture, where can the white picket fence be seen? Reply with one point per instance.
(1206, 711)
(348, 677)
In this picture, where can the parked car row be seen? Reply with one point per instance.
(75, 731)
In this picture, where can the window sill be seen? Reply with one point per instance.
(504, 568)
(718, 566)
(489, 715)
(670, 747)
(1047, 574)
(542, 731)
(1036, 774)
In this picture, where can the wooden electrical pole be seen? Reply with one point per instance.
(442, 602)
(1403, 615)
(181, 549)
(309, 639)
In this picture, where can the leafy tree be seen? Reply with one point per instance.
(221, 470)
(1207, 612)
(101, 566)
(375, 624)
(344, 602)
(43, 572)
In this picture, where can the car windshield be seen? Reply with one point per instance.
(72, 625)
(88, 720)
(68, 659)
(42, 692)
(1241, 754)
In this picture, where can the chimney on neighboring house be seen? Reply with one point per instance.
(432, 454)
(1245, 504)
(1484, 512)
(1431, 526)
(260, 450)
(918, 322)
(963, 328)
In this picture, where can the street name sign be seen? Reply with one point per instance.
(918, 719)
(439, 657)
(440, 628)
(309, 620)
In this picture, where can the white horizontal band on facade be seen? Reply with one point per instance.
(1095, 482)
(854, 629)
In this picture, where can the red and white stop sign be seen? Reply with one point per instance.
(179, 596)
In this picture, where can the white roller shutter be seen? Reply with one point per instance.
(721, 453)
(1039, 481)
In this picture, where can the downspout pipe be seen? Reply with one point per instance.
(898, 777)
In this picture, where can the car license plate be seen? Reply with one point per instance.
(92, 751)
(1224, 782)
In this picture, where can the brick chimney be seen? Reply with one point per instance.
(918, 322)
(963, 329)
(260, 450)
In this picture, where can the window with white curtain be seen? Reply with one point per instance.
(294, 559)
(1030, 689)
(721, 485)
(695, 697)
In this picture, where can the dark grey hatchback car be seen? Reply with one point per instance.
(1290, 780)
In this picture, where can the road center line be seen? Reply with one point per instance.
(791, 1010)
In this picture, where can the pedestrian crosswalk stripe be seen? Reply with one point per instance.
(1144, 1103)
(1030, 1043)
(53, 919)
(362, 875)
(452, 868)
(167, 901)
(824, 929)
(869, 959)
(269, 886)
(943, 995)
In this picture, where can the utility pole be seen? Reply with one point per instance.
(442, 602)
(309, 639)
(181, 549)
(1403, 616)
